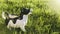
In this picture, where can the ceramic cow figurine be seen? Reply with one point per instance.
(14, 21)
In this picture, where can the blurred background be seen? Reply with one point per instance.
(45, 18)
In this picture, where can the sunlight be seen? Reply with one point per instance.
(55, 5)
(57, 1)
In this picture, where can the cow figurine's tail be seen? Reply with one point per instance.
(8, 15)
(3, 15)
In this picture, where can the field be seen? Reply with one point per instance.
(45, 18)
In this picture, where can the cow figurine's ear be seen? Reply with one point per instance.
(31, 9)
(22, 9)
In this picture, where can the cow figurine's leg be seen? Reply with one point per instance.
(8, 27)
(23, 28)
(10, 23)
